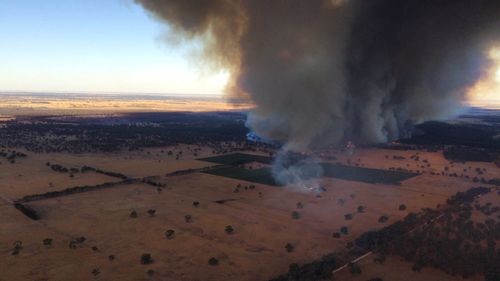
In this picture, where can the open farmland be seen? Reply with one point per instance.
(216, 208)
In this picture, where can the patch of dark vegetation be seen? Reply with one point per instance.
(74, 190)
(262, 176)
(428, 238)
(465, 154)
(224, 201)
(431, 237)
(238, 159)
(107, 173)
(134, 131)
(153, 183)
(461, 134)
(11, 155)
(367, 175)
(467, 196)
(316, 270)
(27, 211)
(192, 171)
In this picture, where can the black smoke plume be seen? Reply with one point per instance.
(328, 71)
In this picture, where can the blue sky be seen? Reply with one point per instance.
(95, 46)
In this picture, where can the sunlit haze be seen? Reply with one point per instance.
(488, 88)
(95, 46)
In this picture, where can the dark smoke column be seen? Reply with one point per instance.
(323, 72)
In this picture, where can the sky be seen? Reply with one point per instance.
(95, 46)
(488, 88)
(111, 46)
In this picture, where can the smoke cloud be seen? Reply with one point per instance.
(328, 71)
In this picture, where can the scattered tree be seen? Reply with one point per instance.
(229, 229)
(47, 241)
(170, 234)
(151, 212)
(213, 261)
(146, 259)
(383, 219)
(133, 214)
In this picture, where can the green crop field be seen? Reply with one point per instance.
(367, 175)
(237, 159)
(262, 176)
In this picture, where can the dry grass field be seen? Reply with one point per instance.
(261, 217)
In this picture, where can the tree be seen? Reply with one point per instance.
(133, 214)
(187, 218)
(213, 261)
(402, 207)
(295, 215)
(146, 259)
(344, 230)
(47, 241)
(96, 272)
(196, 203)
(383, 219)
(151, 212)
(170, 234)
(289, 247)
(229, 229)
(354, 268)
(18, 245)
